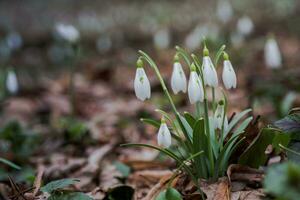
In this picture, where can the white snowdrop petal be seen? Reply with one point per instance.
(209, 72)
(164, 136)
(273, 58)
(228, 75)
(142, 85)
(178, 79)
(12, 82)
(195, 89)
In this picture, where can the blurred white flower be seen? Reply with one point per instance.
(141, 84)
(228, 75)
(161, 39)
(178, 79)
(245, 25)
(195, 88)
(273, 58)
(209, 72)
(224, 10)
(164, 136)
(12, 82)
(218, 117)
(67, 32)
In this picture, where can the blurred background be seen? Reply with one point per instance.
(102, 104)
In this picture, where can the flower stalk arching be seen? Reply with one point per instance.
(165, 90)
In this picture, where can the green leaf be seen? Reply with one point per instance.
(152, 122)
(123, 192)
(124, 169)
(254, 155)
(169, 194)
(187, 127)
(69, 196)
(283, 181)
(242, 126)
(58, 184)
(198, 145)
(9, 163)
(189, 118)
(235, 120)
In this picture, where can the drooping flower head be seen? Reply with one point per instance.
(228, 75)
(273, 58)
(195, 88)
(141, 82)
(12, 82)
(209, 72)
(164, 136)
(178, 79)
(218, 116)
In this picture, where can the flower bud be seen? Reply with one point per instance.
(209, 72)
(178, 79)
(228, 75)
(218, 116)
(141, 83)
(164, 136)
(195, 88)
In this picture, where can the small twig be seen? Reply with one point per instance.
(38, 180)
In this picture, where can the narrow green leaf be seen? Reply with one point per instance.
(151, 122)
(9, 163)
(189, 118)
(242, 126)
(235, 120)
(198, 145)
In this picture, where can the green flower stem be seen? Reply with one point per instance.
(209, 147)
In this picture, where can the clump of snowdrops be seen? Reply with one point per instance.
(201, 142)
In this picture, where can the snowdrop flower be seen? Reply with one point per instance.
(218, 117)
(273, 58)
(228, 75)
(178, 79)
(141, 83)
(195, 88)
(245, 25)
(67, 32)
(224, 10)
(12, 82)
(164, 136)
(209, 72)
